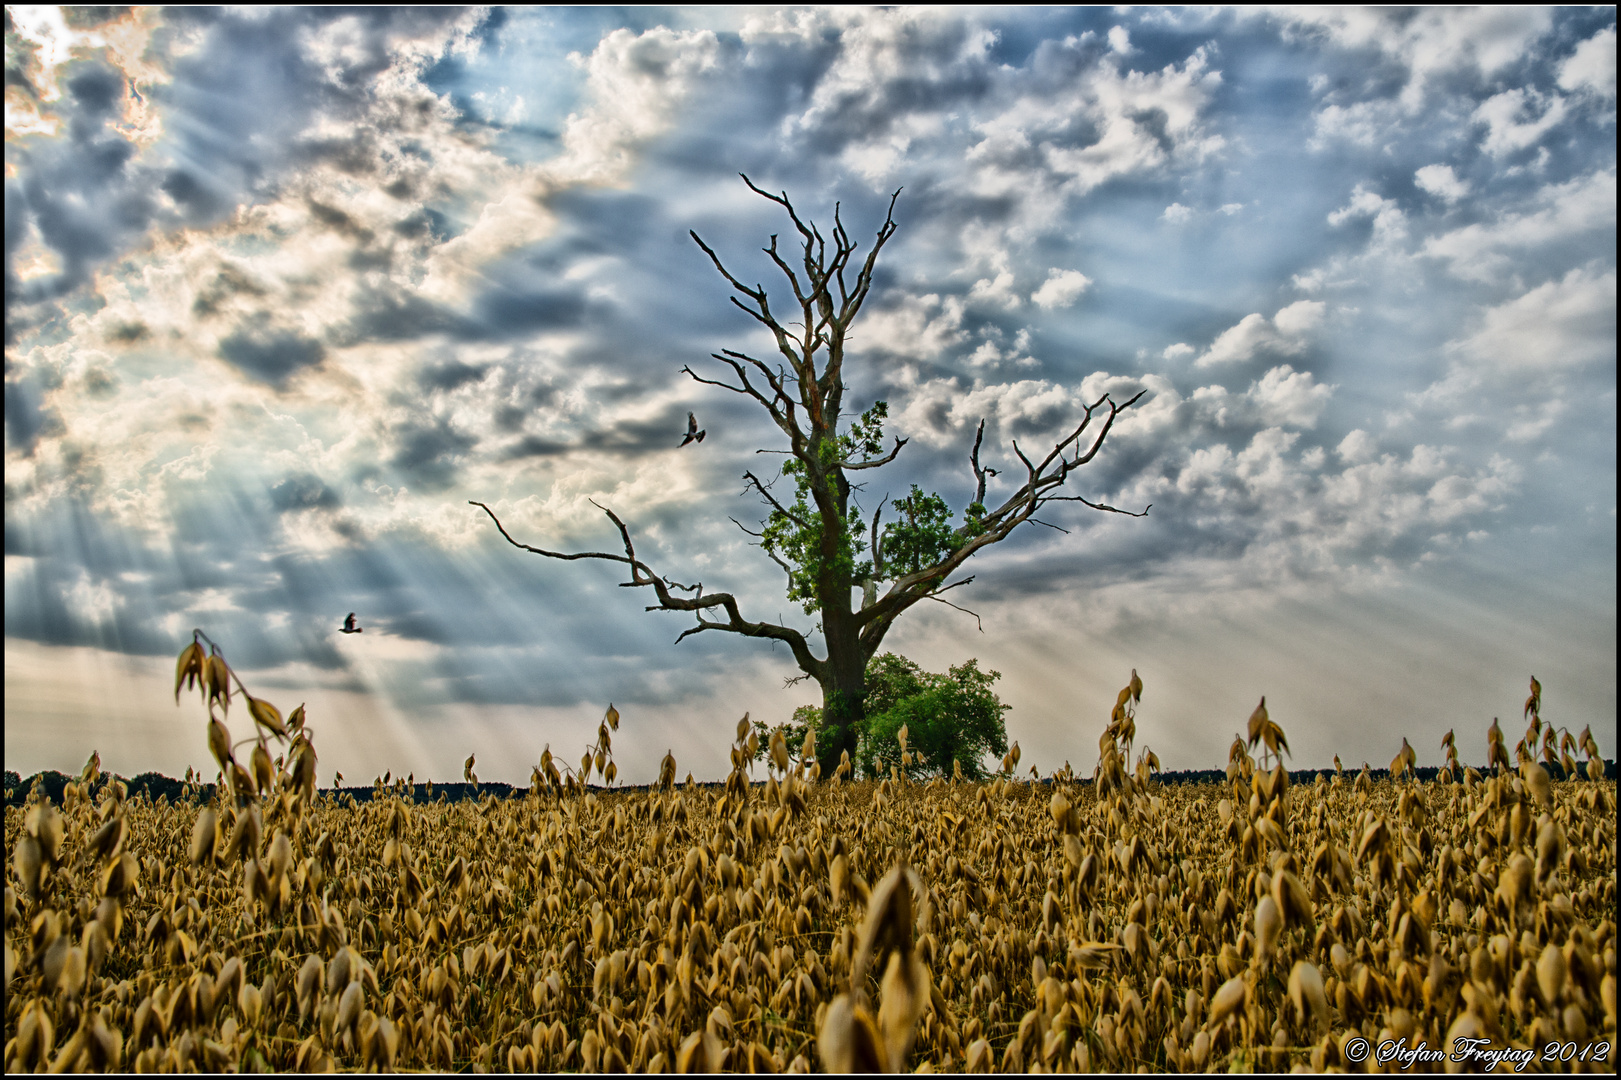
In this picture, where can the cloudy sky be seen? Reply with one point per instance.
(286, 288)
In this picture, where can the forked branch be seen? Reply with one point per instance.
(643, 575)
(1039, 488)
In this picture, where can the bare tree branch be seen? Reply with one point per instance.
(994, 526)
(773, 555)
(744, 389)
(1098, 506)
(964, 610)
(850, 466)
(979, 473)
(642, 574)
(775, 505)
(954, 585)
(877, 550)
(761, 312)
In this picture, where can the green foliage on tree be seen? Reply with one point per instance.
(922, 537)
(951, 717)
(794, 535)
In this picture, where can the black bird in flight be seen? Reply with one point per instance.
(693, 434)
(349, 626)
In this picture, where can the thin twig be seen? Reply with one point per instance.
(964, 610)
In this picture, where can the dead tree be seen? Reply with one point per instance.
(815, 538)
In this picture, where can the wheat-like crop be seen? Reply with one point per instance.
(1113, 924)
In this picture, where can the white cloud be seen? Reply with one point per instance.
(997, 290)
(1517, 118)
(1364, 203)
(1298, 518)
(939, 412)
(92, 601)
(1364, 123)
(1286, 396)
(919, 327)
(1177, 351)
(1028, 146)
(1231, 208)
(1430, 44)
(906, 87)
(1387, 498)
(1357, 447)
(1592, 65)
(876, 49)
(1261, 464)
(1286, 332)
(1389, 223)
(1486, 251)
(1442, 182)
(1176, 213)
(1117, 102)
(1559, 325)
(1431, 41)
(1311, 281)
(636, 83)
(1299, 318)
(987, 355)
(1120, 41)
(1238, 343)
(1061, 289)
(1205, 465)
(990, 355)
(635, 86)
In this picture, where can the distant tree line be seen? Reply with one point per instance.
(155, 785)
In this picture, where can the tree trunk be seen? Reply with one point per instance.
(844, 696)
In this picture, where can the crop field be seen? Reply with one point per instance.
(808, 925)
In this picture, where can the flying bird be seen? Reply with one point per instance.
(693, 434)
(349, 626)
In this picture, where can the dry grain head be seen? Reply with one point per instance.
(189, 669)
(1227, 1001)
(1553, 972)
(1268, 926)
(848, 1040)
(903, 995)
(261, 769)
(1293, 902)
(1551, 848)
(889, 924)
(1539, 782)
(266, 716)
(29, 861)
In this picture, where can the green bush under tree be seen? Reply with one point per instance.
(950, 717)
